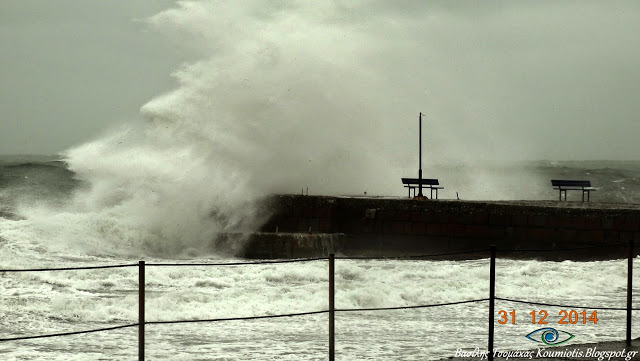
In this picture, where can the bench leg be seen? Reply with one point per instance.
(560, 195)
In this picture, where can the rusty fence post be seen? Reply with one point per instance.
(141, 321)
(629, 291)
(332, 310)
(492, 300)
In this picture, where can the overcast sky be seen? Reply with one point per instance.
(71, 68)
(514, 79)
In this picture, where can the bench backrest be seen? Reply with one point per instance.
(429, 182)
(570, 183)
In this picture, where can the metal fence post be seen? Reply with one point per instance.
(492, 296)
(332, 311)
(629, 291)
(141, 321)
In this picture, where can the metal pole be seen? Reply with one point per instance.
(420, 152)
(629, 291)
(492, 296)
(332, 311)
(141, 321)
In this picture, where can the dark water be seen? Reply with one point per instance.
(34, 179)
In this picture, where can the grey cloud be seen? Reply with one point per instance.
(498, 80)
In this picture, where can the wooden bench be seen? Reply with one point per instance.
(413, 183)
(569, 185)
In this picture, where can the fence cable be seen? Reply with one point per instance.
(68, 268)
(308, 259)
(68, 333)
(236, 263)
(408, 307)
(566, 306)
(303, 313)
(411, 257)
(237, 318)
(244, 318)
(312, 313)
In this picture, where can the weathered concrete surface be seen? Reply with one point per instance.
(401, 226)
(265, 245)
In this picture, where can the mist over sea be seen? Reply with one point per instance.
(160, 210)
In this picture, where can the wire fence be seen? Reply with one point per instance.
(332, 309)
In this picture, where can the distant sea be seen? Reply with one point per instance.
(30, 179)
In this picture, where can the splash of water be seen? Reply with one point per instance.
(271, 107)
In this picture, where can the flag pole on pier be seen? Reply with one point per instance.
(420, 196)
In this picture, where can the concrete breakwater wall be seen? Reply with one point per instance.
(301, 226)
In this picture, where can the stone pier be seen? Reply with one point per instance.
(302, 226)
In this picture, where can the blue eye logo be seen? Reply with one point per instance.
(548, 336)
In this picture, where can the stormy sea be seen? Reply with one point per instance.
(54, 215)
(320, 97)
